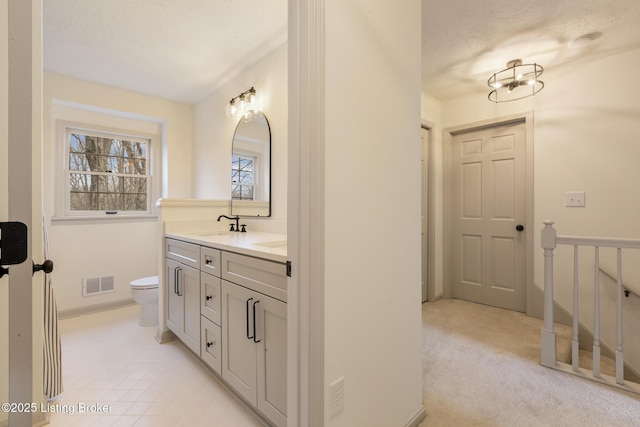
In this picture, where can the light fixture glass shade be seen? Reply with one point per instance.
(517, 81)
(244, 106)
(231, 109)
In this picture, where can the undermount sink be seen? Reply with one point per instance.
(280, 244)
(211, 233)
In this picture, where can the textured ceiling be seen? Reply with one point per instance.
(180, 50)
(183, 50)
(464, 42)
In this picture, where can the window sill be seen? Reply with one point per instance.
(103, 219)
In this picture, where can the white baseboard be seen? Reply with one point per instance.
(78, 311)
(417, 418)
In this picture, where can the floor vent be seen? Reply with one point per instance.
(98, 285)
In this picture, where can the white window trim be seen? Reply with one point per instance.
(62, 206)
(257, 170)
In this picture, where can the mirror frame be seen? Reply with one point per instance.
(267, 176)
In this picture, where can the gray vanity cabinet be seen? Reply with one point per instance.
(254, 334)
(183, 292)
(210, 297)
(231, 310)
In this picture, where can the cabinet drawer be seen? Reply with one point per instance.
(267, 277)
(186, 253)
(211, 341)
(210, 297)
(210, 260)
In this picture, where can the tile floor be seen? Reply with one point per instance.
(109, 360)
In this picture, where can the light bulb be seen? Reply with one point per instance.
(231, 109)
(242, 105)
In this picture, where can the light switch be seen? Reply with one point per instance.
(574, 199)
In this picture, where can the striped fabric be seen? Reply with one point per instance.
(52, 354)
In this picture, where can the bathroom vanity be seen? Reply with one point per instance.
(226, 295)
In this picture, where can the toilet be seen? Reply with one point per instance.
(145, 292)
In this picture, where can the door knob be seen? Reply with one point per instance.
(46, 266)
(519, 227)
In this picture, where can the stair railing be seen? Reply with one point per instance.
(548, 355)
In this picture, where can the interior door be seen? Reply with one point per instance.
(4, 211)
(20, 124)
(489, 205)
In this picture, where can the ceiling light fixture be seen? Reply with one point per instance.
(244, 105)
(515, 82)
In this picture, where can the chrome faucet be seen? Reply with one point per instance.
(236, 226)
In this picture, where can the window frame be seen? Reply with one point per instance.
(63, 201)
(256, 158)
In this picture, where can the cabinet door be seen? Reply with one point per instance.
(271, 325)
(175, 306)
(238, 351)
(189, 287)
(210, 297)
(211, 344)
(183, 303)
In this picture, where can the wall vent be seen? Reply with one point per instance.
(98, 285)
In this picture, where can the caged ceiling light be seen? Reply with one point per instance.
(515, 82)
(244, 105)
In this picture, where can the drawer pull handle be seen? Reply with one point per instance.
(209, 344)
(207, 261)
(178, 270)
(209, 297)
(254, 323)
(247, 313)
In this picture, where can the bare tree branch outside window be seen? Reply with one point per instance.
(107, 173)
(242, 178)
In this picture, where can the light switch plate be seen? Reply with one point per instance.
(574, 199)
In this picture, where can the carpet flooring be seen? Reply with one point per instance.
(481, 368)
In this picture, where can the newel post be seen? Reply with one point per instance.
(548, 335)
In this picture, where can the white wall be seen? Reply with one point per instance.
(372, 267)
(124, 249)
(586, 127)
(213, 131)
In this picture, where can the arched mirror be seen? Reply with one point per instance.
(251, 167)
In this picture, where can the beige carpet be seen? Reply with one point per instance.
(481, 368)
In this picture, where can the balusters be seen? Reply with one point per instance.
(619, 356)
(575, 344)
(596, 316)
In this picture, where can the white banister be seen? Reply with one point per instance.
(549, 241)
(548, 335)
(575, 344)
(596, 316)
(619, 355)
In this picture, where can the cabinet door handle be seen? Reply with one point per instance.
(175, 280)
(178, 270)
(247, 313)
(254, 323)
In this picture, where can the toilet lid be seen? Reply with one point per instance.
(150, 282)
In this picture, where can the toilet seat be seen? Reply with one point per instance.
(150, 282)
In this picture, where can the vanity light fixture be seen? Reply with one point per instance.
(244, 105)
(515, 82)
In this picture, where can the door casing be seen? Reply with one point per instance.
(527, 119)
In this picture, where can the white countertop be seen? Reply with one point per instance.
(269, 246)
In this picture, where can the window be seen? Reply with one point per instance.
(106, 173)
(243, 177)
